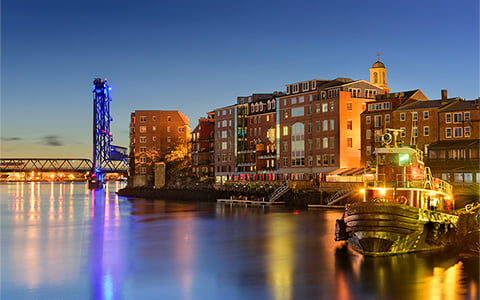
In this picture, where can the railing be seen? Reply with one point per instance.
(280, 191)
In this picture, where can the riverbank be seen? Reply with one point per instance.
(295, 197)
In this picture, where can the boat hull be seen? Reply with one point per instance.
(379, 229)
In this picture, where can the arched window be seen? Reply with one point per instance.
(383, 77)
(375, 77)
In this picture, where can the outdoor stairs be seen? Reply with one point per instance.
(279, 192)
(339, 195)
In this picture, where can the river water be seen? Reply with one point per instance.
(64, 241)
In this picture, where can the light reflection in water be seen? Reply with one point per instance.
(281, 255)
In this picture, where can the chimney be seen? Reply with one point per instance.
(444, 96)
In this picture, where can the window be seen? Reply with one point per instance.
(369, 134)
(325, 125)
(448, 132)
(169, 119)
(387, 118)
(154, 128)
(426, 130)
(332, 106)
(169, 129)
(467, 131)
(298, 144)
(224, 145)
(467, 116)
(325, 143)
(332, 124)
(181, 129)
(319, 160)
(143, 139)
(349, 106)
(317, 108)
(426, 115)
(325, 107)
(369, 150)
(143, 149)
(142, 170)
(325, 159)
(448, 118)
(378, 121)
(402, 117)
(414, 116)
(332, 159)
(332, 142)
(349, 142)
(415, 131)
(457, 117)
(368, 120)
(297, 111)
(319, 143)
(294, 100)
(301, 99)
(403, 133)
(349, 125)
(169, 139)
(285, 130)
(319, 126)
(143, 160)
(386, 105)
(285, 146)
(285, 162)
(143, 128)
(458, 132)
(143, 119)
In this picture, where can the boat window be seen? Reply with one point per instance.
(381, 160)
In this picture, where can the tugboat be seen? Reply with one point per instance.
(404, 208)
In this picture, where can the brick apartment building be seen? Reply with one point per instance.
(225, 142)
(320, 126)
(203, 147)
(153, 134)
(455, 157)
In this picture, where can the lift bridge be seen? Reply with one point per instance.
(107, 158)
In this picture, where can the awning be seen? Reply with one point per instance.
(347, 172)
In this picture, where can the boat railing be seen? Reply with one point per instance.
(409, 181)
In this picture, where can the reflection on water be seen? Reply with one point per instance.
(64, 241)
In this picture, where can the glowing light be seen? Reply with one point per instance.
(382, 191)
(362, 191)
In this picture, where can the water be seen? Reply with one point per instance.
(64, 241)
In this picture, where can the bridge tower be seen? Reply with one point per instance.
(106, 157)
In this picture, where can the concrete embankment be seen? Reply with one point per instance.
(298, 198)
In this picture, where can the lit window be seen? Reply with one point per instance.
(325, 143)
(325, 125)
(143, 128)
(285, 130)
(325, 107)
(349, 142)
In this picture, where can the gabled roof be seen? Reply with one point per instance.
(458, 104)
(421, 105)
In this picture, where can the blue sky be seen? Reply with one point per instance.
(195, 56)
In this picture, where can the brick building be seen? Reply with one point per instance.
(319, 124)
(225, 142)
(203, 147)
(154, 134)
(455, 157)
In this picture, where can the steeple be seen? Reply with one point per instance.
(378, 73)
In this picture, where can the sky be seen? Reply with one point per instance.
(196, 56)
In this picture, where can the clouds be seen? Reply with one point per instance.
(51, 140)
(48, 140)
(10, 139)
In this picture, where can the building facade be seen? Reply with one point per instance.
(203, 147)
(154, 134)
(319, 124)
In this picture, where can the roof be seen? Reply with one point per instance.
(454, 144)
(421, 104)
(459, 104)
(405, 149)
(378, 64)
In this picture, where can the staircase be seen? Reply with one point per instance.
(279, 192)
(339, 195)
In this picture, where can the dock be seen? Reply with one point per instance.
(326, 206)
(249, 202)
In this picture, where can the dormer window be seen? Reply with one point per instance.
(305, 87)
(313, 84)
